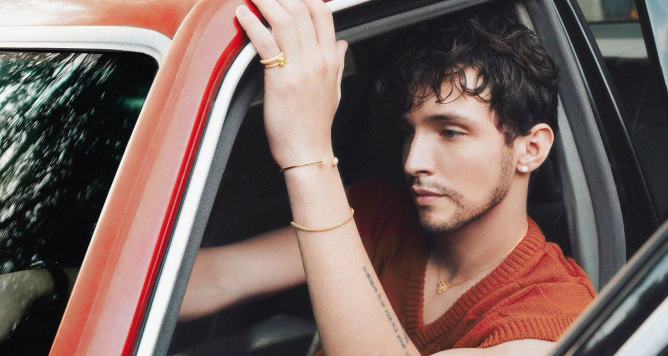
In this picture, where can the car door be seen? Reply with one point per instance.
(625, 51)
(67, 114)
(627, 318)
(107, 310)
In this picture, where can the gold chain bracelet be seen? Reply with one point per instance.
(324, 161)
(308, 229)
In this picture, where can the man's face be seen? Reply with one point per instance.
(456, 160)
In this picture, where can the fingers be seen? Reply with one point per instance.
(323, 21)
(302, 29)
(259, 35)
(302, 22)
(282, 25)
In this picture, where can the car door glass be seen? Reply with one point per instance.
(65, 119)
(658, 16)
(608, 10)
(643, 342)
(641, 91)
(632, 311)
(628, 317)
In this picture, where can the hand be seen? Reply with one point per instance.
(301, 97)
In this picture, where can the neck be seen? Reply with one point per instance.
(487, 239)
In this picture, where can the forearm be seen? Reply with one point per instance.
(300, 101)
(352, 311)
(531, 347)
(206, 292)
(227, 275)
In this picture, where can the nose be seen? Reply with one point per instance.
(418, 158)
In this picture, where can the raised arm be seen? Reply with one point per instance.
(353, 314)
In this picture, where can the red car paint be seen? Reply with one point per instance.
(109, 301)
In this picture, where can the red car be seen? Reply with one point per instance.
(131, 135)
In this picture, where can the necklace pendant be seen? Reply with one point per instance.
(441, 288)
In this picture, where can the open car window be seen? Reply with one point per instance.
(250, 197)
(65, 120)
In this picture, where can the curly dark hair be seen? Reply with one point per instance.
(511, 61)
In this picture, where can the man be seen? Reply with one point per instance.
(460, 269)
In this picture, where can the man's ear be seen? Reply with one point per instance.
(532, 149)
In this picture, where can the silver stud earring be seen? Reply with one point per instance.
(523, 169)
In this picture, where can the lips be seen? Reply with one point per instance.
(425, 196)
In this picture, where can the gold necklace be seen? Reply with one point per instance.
(441, 286)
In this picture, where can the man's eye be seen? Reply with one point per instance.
(450, 133)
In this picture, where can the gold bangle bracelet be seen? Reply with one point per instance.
(308, 229)
(334, 162)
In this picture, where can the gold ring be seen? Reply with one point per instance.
(275, 61)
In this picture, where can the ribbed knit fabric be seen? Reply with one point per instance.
(534, 293)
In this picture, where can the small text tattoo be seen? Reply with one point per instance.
(403, 340)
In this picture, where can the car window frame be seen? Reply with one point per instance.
(169, 289)
(88, 39)
(623, 284)
(638, 213)
(181, 260)
(189, 227)
(643, 340)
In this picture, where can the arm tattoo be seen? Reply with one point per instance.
(403, 341)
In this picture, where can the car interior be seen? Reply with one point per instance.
(251, 198)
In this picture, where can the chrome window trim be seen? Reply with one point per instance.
(118, 38)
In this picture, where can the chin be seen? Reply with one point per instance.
(445, 222)
(438, 225)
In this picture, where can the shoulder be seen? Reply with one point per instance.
(550, 295)
(540, 301)
(542, 311)
(548, 269)
(556, 255)
(561, 274)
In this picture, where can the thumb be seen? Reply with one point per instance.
(341, 47)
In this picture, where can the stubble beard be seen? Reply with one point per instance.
(466, 211)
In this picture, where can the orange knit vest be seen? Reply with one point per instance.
(535, 293)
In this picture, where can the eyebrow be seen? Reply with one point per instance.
(448, 117)
(442, 118)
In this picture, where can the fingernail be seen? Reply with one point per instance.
(241, 11)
